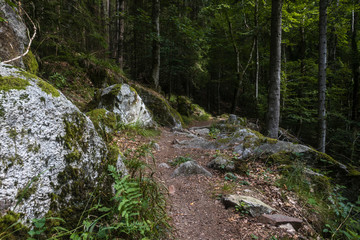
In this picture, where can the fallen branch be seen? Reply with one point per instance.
(31, 39)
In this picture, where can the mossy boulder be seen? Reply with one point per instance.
(187, 108)
(52, 158)
(126, 104)
(13, 35)
(161, 110)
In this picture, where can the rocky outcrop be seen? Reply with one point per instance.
(13, 37)
(50, 153)
(126, 104)
(279, 219)
(162, 112)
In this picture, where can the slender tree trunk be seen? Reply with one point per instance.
(273, 114)
(322, 74)
(156, 44)
(120, 31)
(355, 65)
(256, 50)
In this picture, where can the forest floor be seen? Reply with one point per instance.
(194, 204)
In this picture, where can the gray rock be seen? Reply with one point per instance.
(161, 110)
(201, 131)
(195, 142)
(190, 168)
(124, 101)
(13, 35)
(164, 165)
(222, 163)
(279, 219)
(288, 227)
(281, 146)
(45, 141)
(254, 206)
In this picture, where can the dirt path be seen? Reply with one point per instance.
(194, 201)
(194, 207)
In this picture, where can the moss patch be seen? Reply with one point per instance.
(48, 88)
(9, 83)
(11, 228)
(73, 156)
(103, 119)
(31, 63)
(74, 128)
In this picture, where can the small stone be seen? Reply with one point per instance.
(156, 147)
(288, 227)
(164, 165)
(222, 163)
(279, 219)
(171, 189)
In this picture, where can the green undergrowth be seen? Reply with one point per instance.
(136, 129)
(324, 204)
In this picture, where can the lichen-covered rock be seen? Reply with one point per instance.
(126, 104)
(190, 168)
(13, 36)
(162, 112)
(253, 206)
(50, 154)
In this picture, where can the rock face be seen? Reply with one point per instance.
(254, 206)
(162, 112)
(126, 104)
(50, 153)
(13, 36)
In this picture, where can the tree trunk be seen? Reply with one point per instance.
(322, 74)
(273, 114)
(121, 30)
(156, 44)
(355, 65)
(256, 50)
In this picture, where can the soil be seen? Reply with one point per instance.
(194, 203)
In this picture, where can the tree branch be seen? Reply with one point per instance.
(30, 41)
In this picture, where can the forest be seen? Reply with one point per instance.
(291, 67)
(218, 54)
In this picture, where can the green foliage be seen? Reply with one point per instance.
(58, 80)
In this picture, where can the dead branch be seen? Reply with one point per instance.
(31, 39)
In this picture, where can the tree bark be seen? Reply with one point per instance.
(355, 65)
(273, 114)
(156, 44)
(256, 50)
(322, 74)
(121, 30)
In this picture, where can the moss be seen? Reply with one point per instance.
(74, 130)
(42, 99)
(279, 158)
(11, 227)
(27, 75)
(2, 111)
(353, 172)
(33, 148)
(9, 83)
(74, 156)
(24, 96)
(13, 133)
(115, 90)
(48, 88)
(26, 192)
(31, 63)
(103, 121)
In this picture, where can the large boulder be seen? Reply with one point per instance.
(162, 112)
(13, 37)
(126, 104)
(50, 154)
